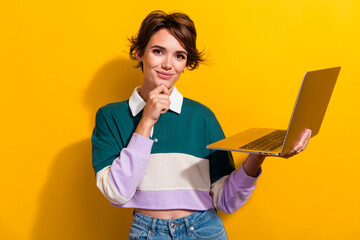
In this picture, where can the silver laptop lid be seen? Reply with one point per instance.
(311, 104)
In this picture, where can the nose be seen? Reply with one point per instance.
(166, 63)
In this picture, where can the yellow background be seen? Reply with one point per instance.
(61, 60)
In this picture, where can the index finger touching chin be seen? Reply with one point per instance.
(166, 90)
(159, 89)
(163, 89)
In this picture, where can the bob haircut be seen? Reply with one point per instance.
(179, 25)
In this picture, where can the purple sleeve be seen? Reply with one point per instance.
(237, 190)
(128, 169)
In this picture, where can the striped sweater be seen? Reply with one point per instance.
(171, 170)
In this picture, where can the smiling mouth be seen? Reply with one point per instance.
(164, 75)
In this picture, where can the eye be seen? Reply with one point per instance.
(181, 56)
(157, 51)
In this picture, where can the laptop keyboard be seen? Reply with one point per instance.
(268, 142)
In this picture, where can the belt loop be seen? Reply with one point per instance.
(171, 229)
(187, 225)
(153, 226)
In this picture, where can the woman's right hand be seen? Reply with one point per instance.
(158, 102)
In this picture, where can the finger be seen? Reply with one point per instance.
(159, 89)
(163, 108)
(159, 92)
(159, 96)
(306, 142)
(300, 146)
(289, 154)
(165, 91)
(307, 139)
(159, 102)
(155, 98)
(164, 102)
(303, 139)
(309, 134)
(297, 148)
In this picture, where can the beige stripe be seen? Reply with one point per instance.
(217, 189)
(176, 171)
(107, 188)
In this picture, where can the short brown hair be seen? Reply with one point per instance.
(179, 25)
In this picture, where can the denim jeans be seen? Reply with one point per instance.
(198, 225)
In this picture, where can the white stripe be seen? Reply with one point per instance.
(176, 171)
(107, 187)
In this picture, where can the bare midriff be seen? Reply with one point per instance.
(166, 214)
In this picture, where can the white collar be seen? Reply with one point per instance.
(136, 103)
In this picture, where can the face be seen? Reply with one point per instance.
(164, 59)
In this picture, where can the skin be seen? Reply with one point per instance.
(164, 59)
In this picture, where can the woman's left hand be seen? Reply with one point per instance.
(304, 140)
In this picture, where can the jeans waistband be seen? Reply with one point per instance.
(176, 224)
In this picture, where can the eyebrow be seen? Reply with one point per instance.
(162, 48)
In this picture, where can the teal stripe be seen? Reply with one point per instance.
(188, 133)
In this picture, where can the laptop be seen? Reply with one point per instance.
(310, 107)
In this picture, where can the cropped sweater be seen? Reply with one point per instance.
(171, 170)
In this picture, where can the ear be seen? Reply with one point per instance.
(185, 68)
(139, 55)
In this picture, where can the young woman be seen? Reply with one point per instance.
(149, 152)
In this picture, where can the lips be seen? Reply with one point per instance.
(164, 75)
